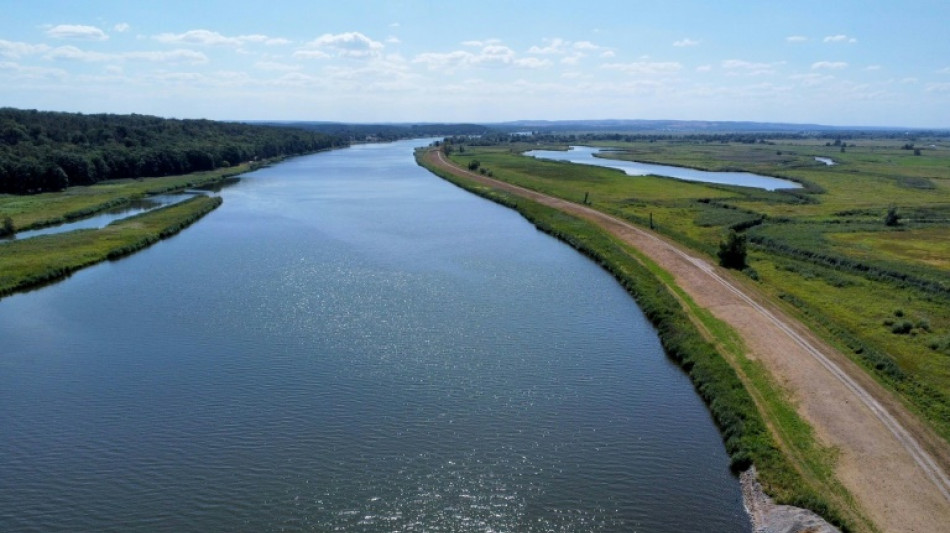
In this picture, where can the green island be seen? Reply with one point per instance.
(858, 254)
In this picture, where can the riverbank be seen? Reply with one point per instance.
(29, 263)
(862, 462)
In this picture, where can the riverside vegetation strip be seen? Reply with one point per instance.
(43, 259)
(31, 262)
(817, 463)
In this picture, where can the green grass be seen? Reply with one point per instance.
(793, 467)
(824, 249)
(32, 262)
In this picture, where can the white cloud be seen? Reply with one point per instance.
(704, 68)
(26, 72)
(532, 62)
(909, 81)
(72, 31)
(491, 54)
(552, 46)
(938, 88)
(749, 68)
(213, 38)
(840, 39)
(831, 65)
(16, 50)
(121, 27)
(349, 44)
(645, 67)
(311, 54)
(945, 70)
(276, 66)
(72, 53)
(685, 42)
(393, 40)
(796, 38)
(812, 79)
(872, 67)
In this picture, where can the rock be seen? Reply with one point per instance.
(767, 517)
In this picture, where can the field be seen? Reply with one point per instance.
(878, 291)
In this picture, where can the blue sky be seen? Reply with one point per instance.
(837, 62)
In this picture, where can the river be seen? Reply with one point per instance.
(350, 344)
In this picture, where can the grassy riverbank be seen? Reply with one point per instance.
(879, 292)
(795, 470)
(49, 209)
(32, 262)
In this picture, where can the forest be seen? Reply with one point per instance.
(43, 151)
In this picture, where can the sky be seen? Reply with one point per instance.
(832, 62)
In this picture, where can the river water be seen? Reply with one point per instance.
(350, 344)
(586, 155)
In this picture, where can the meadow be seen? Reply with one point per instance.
(876, 286)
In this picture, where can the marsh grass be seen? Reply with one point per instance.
(32, 262)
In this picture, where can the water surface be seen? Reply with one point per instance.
(104, 218)
(350, 344)
(586, 155)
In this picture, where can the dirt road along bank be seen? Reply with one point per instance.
(894, 466)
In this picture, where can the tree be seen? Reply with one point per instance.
(892, 218)
(473, 164)
(732, 251)
(7, 228)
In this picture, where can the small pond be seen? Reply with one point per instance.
(587, 155)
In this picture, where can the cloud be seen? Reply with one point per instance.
(121, 27)
(276, 66)
(491, 54)
(349, 44)
(393, 40)
(16, 50)
(750, 68)
(938, 88)
(72, 53)
(82, 33)
(704, 68)
(796, 39)
(685, 42)
(872, 67)
(945, 70)
(831, 65)
(213, 38)
(645, 67)
(32, 73)
(840, 39)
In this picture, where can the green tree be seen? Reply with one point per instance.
(732, 251)
(892, 218)
(7, 228)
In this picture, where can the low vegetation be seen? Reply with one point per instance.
(748, 439)
(31, 262)
(863, 235)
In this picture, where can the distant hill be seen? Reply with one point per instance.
(672, 126)
(48, 151)
(386, 131)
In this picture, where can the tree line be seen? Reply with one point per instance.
(48, 151)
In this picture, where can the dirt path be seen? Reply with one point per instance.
(895, 467)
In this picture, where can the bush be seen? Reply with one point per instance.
(732, 251)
